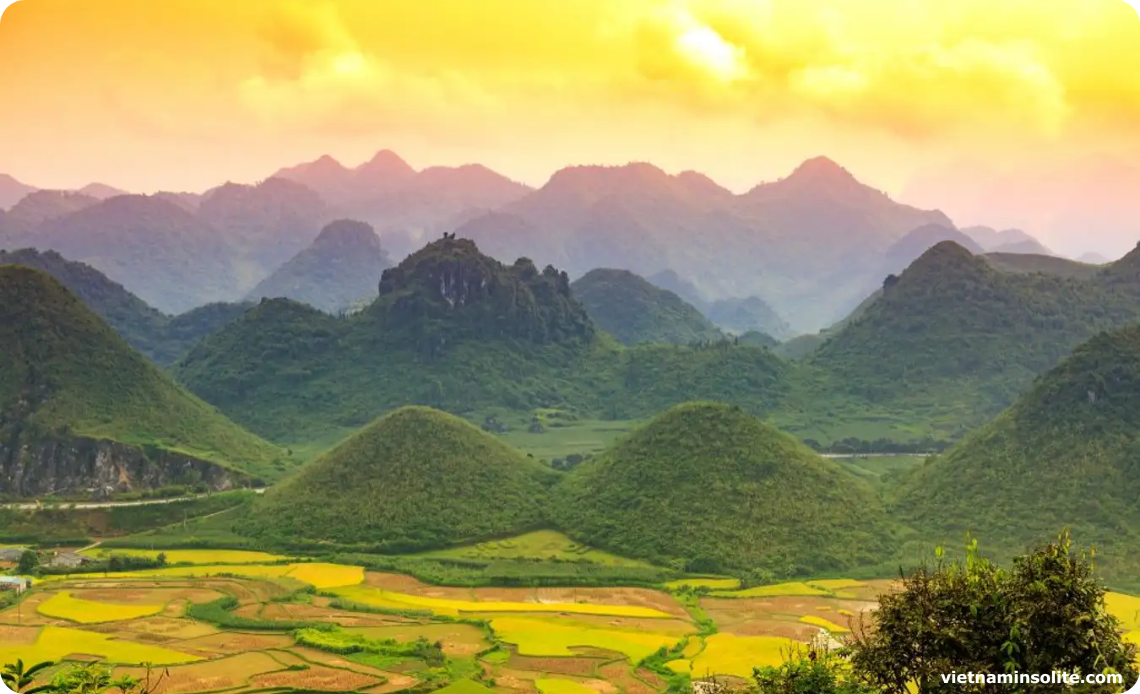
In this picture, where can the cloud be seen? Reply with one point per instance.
(316, 77)
(785, 59)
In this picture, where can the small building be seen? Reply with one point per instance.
(14, 583)
(12, 554)
(69, 560)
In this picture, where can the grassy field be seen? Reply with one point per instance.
(561, 438)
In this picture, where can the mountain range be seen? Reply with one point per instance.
(339, 268)
(791, 256)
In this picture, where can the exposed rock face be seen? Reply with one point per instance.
(450, 287)
(72, 466)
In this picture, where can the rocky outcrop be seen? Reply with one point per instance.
(79, 466)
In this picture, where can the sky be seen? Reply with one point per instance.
(909, 95)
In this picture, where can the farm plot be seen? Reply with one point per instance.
(549, 637)
(222, 673)
(786, 616)
(63, 605)
(457, 639)
(379, 597)
(59, 643)
(725, 654)
(191, 556)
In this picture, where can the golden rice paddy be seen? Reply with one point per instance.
(379, 597)
(63, 606)
(192, 556)
(57, 643)
(725, 654)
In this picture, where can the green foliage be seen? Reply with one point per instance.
(954, 334)
(1071, 440)
(511, 572)
(113, 563)
(72, 526)
(29, 562)
(220, 614)
(64, 374)
(336, 641)
(1045, 614)
(812, 670)
(415, 479)
(711, 489)
(635, 311)
(20, 678)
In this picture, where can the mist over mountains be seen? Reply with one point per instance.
(788, 257)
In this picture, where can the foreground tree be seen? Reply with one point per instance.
(20, 678)
(1046, 614)
(816, 669)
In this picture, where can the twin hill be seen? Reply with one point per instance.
(715, 489)
(414, 479)
(635, 311)
(79, 409)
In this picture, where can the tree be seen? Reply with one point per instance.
(18, 678)
(92, 678)
(29, 560)
(813, 670)
(1046, 614)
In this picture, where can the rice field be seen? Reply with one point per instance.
(710, 583)
(318, 575)
(58, 643)
(192, 556)
(555, 685)
(378, 597)
(725, 654)
(64, 606)
(545, 637)
(544, 640)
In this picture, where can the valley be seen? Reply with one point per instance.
(624, 433)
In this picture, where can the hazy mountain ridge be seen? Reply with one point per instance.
(406, 207)
(805, 244)
(636, 312)
(341, 266)
(160, 337)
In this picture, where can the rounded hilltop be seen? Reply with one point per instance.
(416, 478)
(714, 489)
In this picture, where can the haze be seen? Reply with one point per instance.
(980, 109)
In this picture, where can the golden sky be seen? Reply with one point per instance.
(183, 94)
